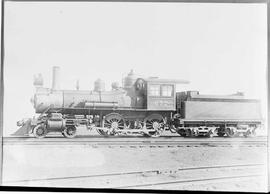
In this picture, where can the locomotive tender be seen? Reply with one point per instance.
(145, 106)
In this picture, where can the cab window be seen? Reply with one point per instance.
(154, 90)
(167, 90)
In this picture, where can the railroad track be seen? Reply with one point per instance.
(172, 184)
(123, 142)
(150, 179)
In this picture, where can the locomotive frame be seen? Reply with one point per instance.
(143, 106)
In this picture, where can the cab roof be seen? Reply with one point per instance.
(166, 81)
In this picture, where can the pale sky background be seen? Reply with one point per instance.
(219, 48)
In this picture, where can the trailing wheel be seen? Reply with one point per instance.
(69, 132)
(154, 125)
(114, 122)
(40, 131)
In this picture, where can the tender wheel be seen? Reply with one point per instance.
(220, 134)
(210, 135)
(246, 134)
(229, 132)
(69, 132)
(40, 131)
(220, 131)
(250, 133)
(253, 133)
(188, 133)
(181, 132)
(114, 122)
(154, 122)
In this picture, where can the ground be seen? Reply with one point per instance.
(29, 162)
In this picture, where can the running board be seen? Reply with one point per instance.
(125, 131)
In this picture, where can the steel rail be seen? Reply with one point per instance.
(130, 139)
(136, 142)
(97, 136)
(188, 181)
(163, 171)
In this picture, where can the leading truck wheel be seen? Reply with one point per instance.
(69, 132)
(40, 131)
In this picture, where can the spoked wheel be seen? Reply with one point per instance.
(155, 123)
(40, 131)
(114, 122)
(69, 132)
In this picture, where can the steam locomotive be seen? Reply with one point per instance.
(142, 106)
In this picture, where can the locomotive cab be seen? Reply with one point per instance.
(161, 94)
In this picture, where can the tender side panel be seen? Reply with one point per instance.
(200, 110)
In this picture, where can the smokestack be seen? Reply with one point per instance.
(56, 78)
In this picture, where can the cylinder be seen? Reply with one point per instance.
(56, 78)
(56, 125)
